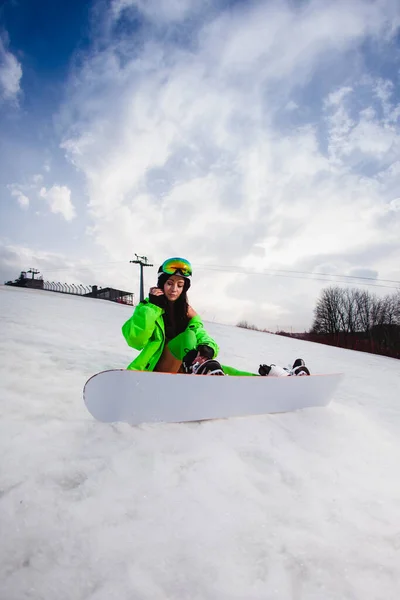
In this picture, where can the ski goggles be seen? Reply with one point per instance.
(174, 266)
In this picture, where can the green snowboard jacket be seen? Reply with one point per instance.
(145, 331)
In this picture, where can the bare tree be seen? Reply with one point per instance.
(396, 307)
(360, 316)
(328, 313)
(364, 301)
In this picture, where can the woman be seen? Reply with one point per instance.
(166, 328)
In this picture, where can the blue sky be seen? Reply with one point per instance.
(251, 137)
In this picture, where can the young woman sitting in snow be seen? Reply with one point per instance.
(169, 333)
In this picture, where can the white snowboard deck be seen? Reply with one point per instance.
(141, 397)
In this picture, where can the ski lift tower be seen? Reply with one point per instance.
(33, 272)
(143, 261)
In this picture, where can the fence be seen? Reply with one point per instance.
(66, 288)
(120, 296)
(383, 340)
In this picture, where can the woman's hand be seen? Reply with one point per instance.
(156, 291)
(191, 312)
(157, 297)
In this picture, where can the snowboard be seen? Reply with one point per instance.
(137, 397)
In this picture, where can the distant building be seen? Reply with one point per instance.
(27, 282)
(111, 294)
(120, 296)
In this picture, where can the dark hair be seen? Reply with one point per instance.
(175, 316)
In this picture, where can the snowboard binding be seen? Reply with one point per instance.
(298, 368)
(207, 367)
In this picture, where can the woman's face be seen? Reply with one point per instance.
(173, 287)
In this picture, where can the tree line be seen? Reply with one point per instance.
(358, 319)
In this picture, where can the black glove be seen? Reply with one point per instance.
(205, 351)
(188, 360)
(159, 301)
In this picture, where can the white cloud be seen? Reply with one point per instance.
(394, 205)
(19, 190)
(365, 135)
(158, 10)
(181, 152)
(336, 97)
(53, 266)
(384, 90)
(37, 179)
(10, 74)
(291, 105)
(22, 200)
(59, 201)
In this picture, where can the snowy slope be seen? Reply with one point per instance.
(295, 506)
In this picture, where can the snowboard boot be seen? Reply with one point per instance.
(299, 367)
(264, 370)
(208, 367)
(273, 371)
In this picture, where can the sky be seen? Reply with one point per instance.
(258, 139)
(301, 505)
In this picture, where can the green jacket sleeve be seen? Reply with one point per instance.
(202, 337)
(139, 328)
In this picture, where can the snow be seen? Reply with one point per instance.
(301, 506)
